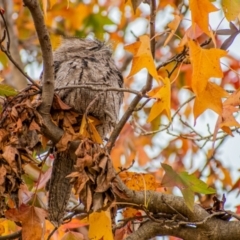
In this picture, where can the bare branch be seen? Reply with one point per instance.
(49, 128)
(107, 89)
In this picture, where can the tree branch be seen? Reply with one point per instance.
(49, 128)
(199, 224)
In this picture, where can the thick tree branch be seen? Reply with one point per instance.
(49, 129)
(199, 224)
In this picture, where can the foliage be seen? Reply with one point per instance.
(186, 71)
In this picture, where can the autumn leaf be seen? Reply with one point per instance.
(100, 226)
(33, 221)
(135, 4)
(231, 9)
(138, 181)
(88, 128)
(72, 236)
(142, 57)
(173, 25)
(162, 95)
(6, 90)
(187, 183)
(209, 98)
(200, 11)
(206, 64)
(227, 120)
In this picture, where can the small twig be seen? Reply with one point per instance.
(203, 221)
(102, 89)
(142, 106)
(233, 214)
(12, 236)
(52, 232)
(8, 54)
(125, 169)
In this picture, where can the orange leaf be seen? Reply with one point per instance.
(33, 221)
(88, 129)
(200, 11)
(142, 57)
(206, 64)
(210, 98)
(73, 236)
(139, 181)
(173, 25)
(163, 103)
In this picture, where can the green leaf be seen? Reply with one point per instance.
(188, 196)
(187, 183)
(6, 90)
(195, 184)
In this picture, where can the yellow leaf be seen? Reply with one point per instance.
(142, 57)
(173, 25)
(210, 98)
(100, 226)
(88, 129)
(55, 41)
(206, 64)
(200, 11)
(163, 103)
(53, 2)
(44, 3)
(231, 9)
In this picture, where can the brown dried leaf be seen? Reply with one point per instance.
(33, 221)
(59, 104)
(3, 172)
(34, 126)
(10, 154)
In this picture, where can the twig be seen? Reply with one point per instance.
(201, 222)
(52, 232)
(125, 169)
(8, 54)
(102, 89)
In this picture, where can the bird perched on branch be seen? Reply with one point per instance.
(86, 65)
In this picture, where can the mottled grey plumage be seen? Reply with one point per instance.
(82, 62)
(88, 62)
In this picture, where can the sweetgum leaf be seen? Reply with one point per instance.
(6, 90)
